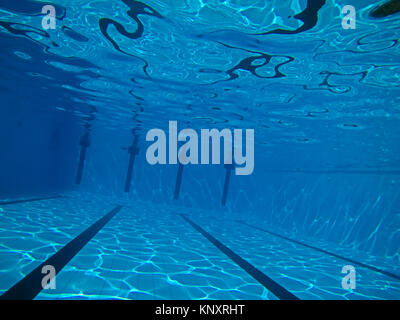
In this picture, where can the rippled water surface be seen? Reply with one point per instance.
(323, 101)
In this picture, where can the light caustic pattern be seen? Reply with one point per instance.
(141, 254)
(319, 96)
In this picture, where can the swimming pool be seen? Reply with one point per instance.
(186, 150)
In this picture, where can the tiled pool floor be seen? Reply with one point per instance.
(307, 273)
(151, 252)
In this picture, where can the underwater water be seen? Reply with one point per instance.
(319, 209)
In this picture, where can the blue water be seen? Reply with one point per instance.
(324, 104)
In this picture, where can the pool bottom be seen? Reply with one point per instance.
(150, 252)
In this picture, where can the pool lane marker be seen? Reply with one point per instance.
(229, 168)
(133, 152)
(31, 285)
(386, 273)
(3, 203)
(263, 279)
(178, 181)
(85, 144)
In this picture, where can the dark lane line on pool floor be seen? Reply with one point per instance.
(3, 203)
(263, 279)
(386, 273)
(30, 286)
